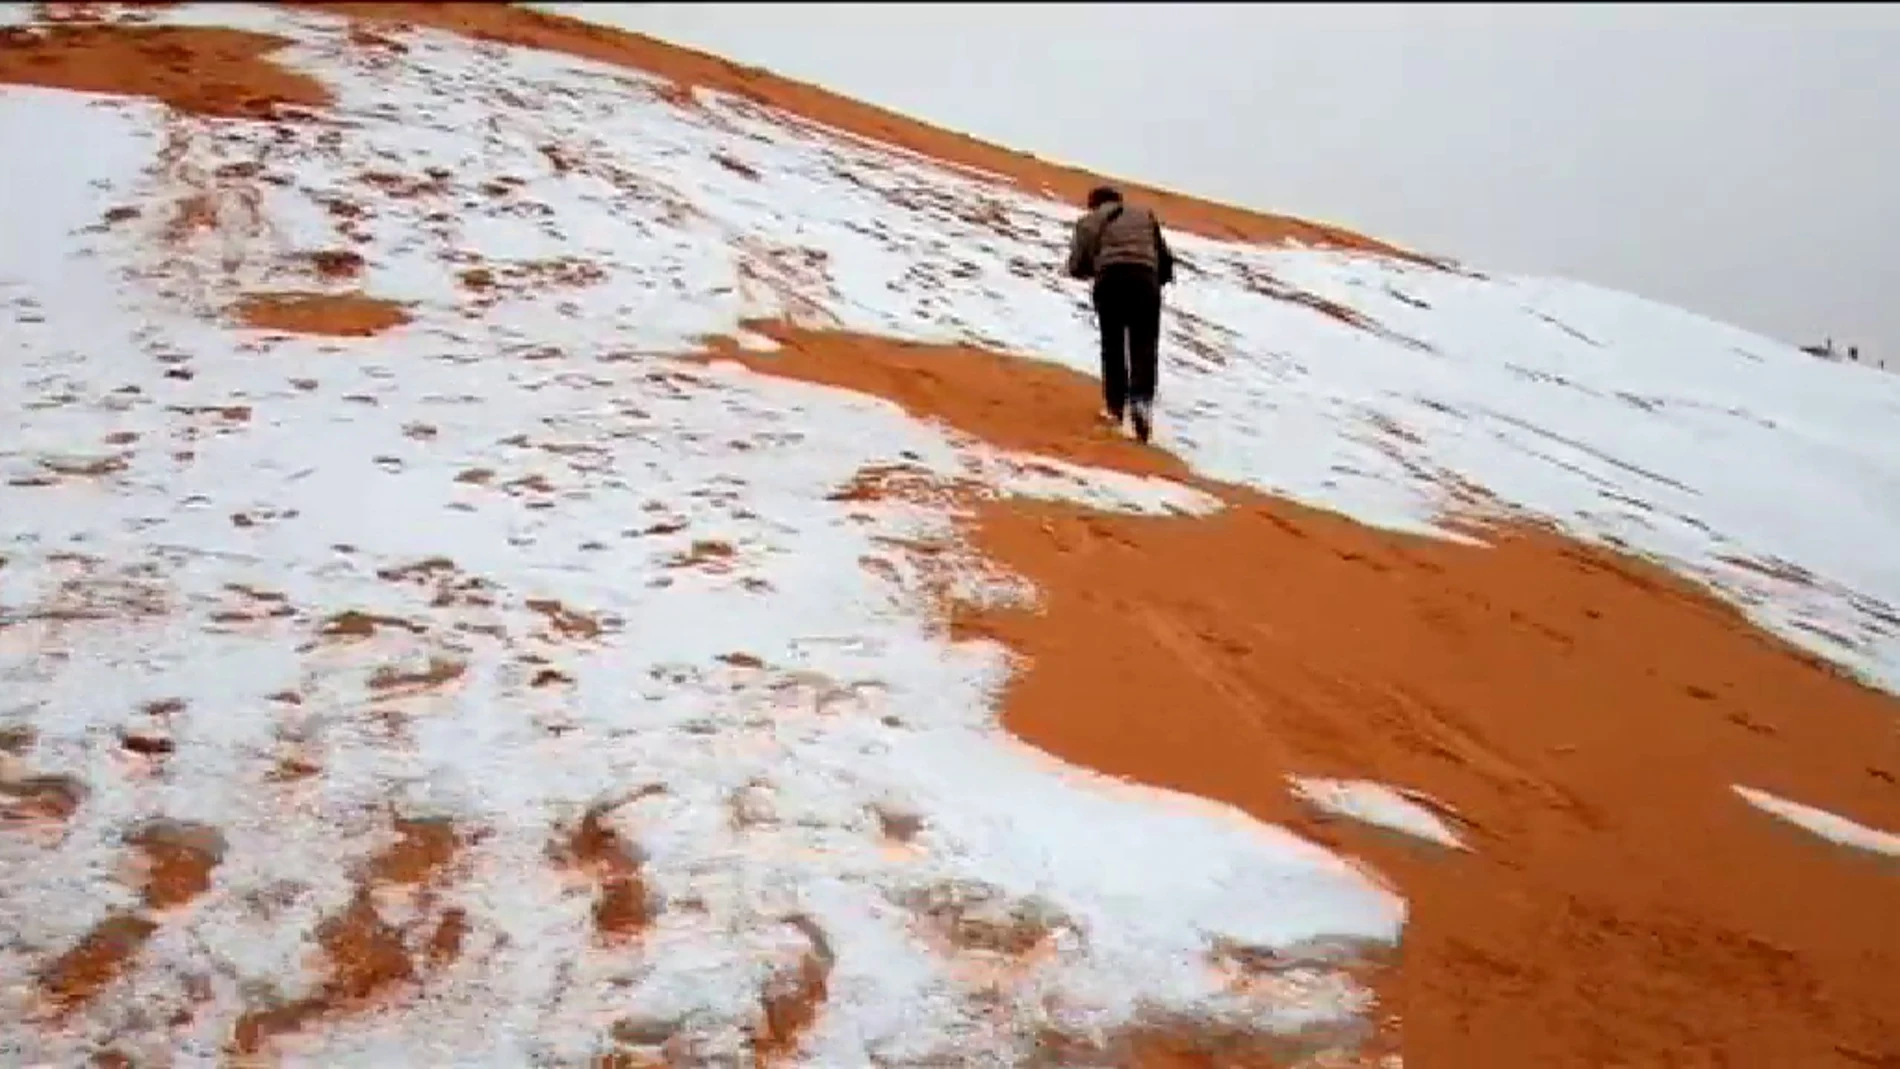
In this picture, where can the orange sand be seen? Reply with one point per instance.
(1586, 713)
(556, 33)
(349, 315)
(198, 70)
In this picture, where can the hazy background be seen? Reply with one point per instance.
(1739, 160)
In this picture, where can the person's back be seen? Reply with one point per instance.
(1120, 247)
(1120, 233)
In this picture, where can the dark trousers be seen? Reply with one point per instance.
(1128, 309)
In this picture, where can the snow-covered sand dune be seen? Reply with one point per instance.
(511, 563)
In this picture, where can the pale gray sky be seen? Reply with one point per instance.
(1739, 160)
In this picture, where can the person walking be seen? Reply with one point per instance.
(1119, 247)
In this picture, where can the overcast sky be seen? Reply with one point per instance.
(1739, 160)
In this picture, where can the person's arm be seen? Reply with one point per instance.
(1164, 257)
(1082, 251)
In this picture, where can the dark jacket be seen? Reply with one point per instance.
(1119, 233)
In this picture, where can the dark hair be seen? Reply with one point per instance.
(1101, 195)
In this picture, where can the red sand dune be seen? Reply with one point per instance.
(1583, 712)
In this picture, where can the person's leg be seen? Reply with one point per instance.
(1111, 314)
(1144, 339)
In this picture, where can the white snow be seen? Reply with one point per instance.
(1377, 804)
(1617, 418)
(685, 507)
(1829, 826)
(688, 508)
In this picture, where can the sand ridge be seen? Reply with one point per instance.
(688, 68)
(1584, 714)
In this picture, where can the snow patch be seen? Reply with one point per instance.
(1378, 805)
(512, 563)
(599, 574)
(1829, 826)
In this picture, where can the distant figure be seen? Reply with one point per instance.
(1120, 247)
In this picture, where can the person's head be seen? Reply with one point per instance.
(1101, 195)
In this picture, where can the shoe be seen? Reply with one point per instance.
(1110, 417)
(1143, 419)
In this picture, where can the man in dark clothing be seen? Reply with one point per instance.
(1120, 247)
